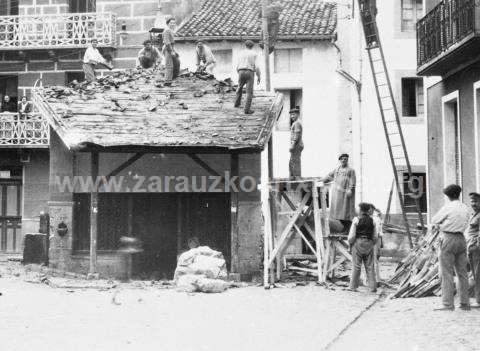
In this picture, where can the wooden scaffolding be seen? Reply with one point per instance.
(306, 200)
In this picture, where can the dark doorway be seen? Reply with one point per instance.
(81, 6)
(162, 222)
(10, 210)
(9, 86)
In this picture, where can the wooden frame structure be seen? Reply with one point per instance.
(330, 250)
(312, 192)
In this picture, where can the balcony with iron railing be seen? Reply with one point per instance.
(23, 131)
(66, 30)
(448, 36)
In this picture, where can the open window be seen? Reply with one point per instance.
(9, 8)
(82, 6)
(292, 98)
(413, 104)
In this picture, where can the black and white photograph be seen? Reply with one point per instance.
(240, 175)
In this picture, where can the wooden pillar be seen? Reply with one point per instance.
(234, 170)
(319, 249)
(93, 214)
(179, 225)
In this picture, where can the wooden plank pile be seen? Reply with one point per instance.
(418, 275)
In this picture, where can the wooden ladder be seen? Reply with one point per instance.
(388, 110)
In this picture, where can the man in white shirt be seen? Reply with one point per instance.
(452, 220)
(91, 59)
(205, 59)
(149, 56)
(247, 66)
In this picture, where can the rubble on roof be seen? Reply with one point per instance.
(134, 107)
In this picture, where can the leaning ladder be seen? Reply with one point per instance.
(388, 110)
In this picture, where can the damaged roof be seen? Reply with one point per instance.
(240, 19)
(130, 108)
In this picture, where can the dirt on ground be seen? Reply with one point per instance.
(53, 313)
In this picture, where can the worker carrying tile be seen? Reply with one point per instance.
(452, 220)
(296, 144)
(342, 192)
(172, 59)
(362, 238)
(149, 56)
(92, 59)
(247, 67)
(473, 244)
(205, 58)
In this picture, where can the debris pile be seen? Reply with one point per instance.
(418, 274)
(201, 270)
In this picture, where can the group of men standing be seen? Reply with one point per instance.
(459, 245)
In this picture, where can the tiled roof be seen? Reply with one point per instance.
(239, 19)
(181, 118)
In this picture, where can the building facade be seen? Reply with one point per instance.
(42, 43)
(396, 21)
(448, 56)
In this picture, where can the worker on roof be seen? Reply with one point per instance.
(362, 238)
(172, 61)
(91, 60)
(205, 59)
(296, 144)
(149, 56)
(473, 244)
(452, 220)
(247, 66)
(342, 192)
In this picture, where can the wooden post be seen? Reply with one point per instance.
(93, 214)
(266, 46)
(179, 225)
(326, 231)
(235, 170)
(270, 219)
(319, 249)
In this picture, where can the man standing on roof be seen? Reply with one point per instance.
(172, 61)
(91, 60)
(342, 193)
(149, 56)
(205, 58)
(247, 66)
(296, 144)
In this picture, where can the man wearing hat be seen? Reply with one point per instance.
(247, 66)
(473, 243)
(342, 192)
(452, 220)
(205, 58)
(296, 144)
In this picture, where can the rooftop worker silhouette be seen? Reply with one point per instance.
(149, 56)
(91, 60)
(247, 66)
(205, 58)
(172, 61)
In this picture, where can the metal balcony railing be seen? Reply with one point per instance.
(444, 26)
(67, 30)
(26, 130)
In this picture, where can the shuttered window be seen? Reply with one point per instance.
(288, 60)
(412, 10)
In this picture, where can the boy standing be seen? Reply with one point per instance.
(362, 237)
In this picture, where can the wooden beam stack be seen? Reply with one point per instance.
(418, 274)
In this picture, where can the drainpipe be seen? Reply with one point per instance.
(358, 88)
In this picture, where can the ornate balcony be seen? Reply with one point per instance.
(448, 36)
(23, 131)
(67, 30)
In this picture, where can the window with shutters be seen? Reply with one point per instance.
(81, 6)
(224, 61)
(9, 8)
(413, 103)
(412, 10)
(288, 60)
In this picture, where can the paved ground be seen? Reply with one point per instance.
(143, 317)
